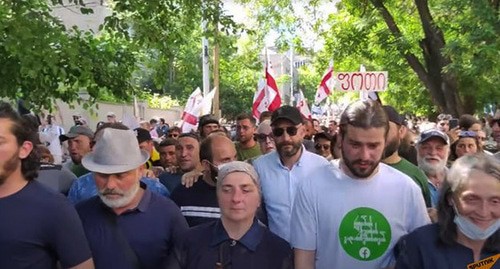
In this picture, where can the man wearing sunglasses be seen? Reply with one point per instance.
(343, 214)
(322, 144)
(283, 170)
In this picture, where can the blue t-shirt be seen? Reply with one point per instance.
(152, 229)
(38, 227)
(170, 180)
(84, 188)
(259, 248)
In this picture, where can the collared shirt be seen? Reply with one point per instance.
(151, 229)
(84, 188)
(423, 249)
(208, 244)
(279, 186)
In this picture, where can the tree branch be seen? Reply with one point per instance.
(412, 60)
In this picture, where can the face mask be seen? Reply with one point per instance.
(471, 230)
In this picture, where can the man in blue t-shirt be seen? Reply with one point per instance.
(127, 225)
(39, 227)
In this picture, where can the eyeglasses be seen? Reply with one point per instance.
(173, 135)
(291, 131)
(467, 134)
(263, 137)
(324, 146)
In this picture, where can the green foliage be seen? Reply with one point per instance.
(42, 61)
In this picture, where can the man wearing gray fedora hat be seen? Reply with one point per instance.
(127, 225)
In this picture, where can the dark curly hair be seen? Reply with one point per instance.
(22, 128)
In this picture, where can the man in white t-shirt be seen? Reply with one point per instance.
(351, 214)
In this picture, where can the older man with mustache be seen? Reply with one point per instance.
(433, 148)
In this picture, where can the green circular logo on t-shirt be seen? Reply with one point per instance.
(365, 234)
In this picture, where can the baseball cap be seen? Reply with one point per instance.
(289, 113)
(111, 114)
(76, 131)
(393, 115)
(427, 134)
(142, 135)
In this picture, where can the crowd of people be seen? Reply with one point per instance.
(367, 190)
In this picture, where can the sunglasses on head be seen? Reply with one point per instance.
(263, 137)
(467, 134)
(324, 146)
(291, 131)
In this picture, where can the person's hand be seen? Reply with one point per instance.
(172, 169)
(189, 178)
(433, 214)
(148, 173)
(453, 134)
(157, 170)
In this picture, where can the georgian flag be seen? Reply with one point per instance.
(302, 106)
(272, 91)
(325, 88)
(260, 102)
(190, 115)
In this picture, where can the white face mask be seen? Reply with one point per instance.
(471, 230)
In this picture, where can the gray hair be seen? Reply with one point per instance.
(459, 173)
(457, 177)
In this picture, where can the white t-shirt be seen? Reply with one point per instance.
(355, 223)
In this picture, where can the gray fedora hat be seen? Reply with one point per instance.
(116, 151)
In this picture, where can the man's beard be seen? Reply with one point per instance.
(9, 167)
(285, 152)
(358, 172)
(124, 200)
(391, 147)
(430, 168)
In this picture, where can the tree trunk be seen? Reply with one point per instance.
(442, 87)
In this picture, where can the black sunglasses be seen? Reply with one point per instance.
(173, 135)
(262, 137)
(291, 131)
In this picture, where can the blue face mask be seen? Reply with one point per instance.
(471, 230)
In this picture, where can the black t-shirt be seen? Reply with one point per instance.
(198, 204)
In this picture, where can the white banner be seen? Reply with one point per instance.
(361, 81)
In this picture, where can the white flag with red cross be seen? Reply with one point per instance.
(326, 85)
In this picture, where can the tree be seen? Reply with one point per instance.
(447, 70)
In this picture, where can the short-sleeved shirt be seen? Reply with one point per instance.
(423, 249)
(355, 223)
(279, 186)
(152, 230)
(84, 188)
(249, 153)
(198, 203)
(38, 227)
(170, 180)
(56, 177)
(259, 248)
(418, 177)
